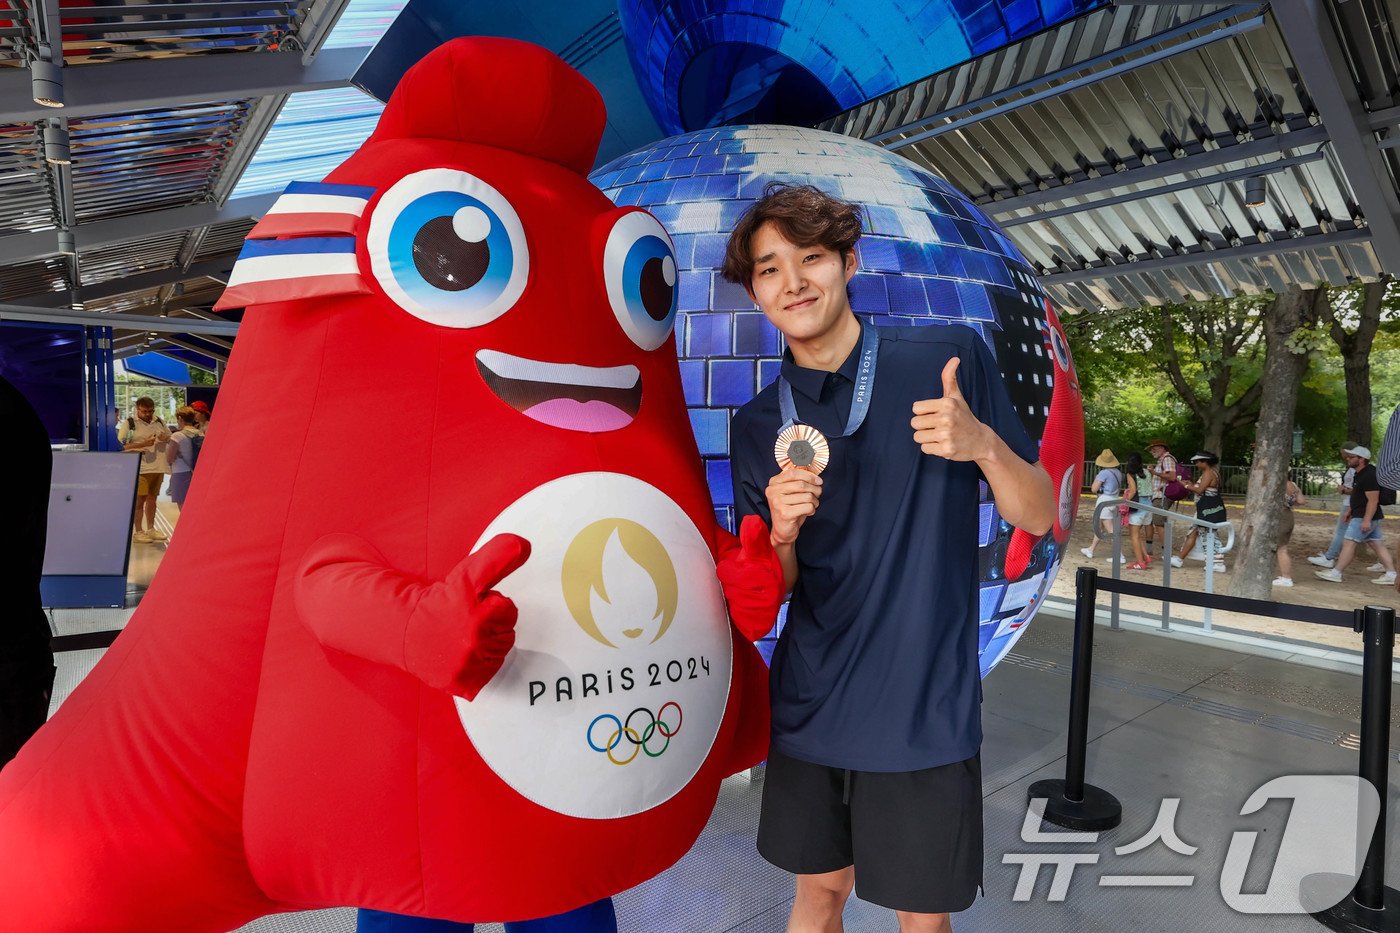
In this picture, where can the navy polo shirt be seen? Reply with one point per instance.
(876, 669)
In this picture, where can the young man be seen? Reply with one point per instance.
(1328, 558)
(1163, 472)
(873, 777)
(1364, 526)
(146, 434)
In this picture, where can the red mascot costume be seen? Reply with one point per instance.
(443, 631)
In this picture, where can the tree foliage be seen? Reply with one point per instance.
(1138, 385)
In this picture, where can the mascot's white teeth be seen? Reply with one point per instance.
(593, 399)
(518, 367)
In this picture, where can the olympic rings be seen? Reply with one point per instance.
(649, 725)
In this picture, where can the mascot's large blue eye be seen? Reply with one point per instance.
(448, 248)
(639, 269)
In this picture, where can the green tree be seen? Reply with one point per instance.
(1201, 360)
(1353, 318)
(1289, 324)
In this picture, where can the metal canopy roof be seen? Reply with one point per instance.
(1115, 149)
(165, 107)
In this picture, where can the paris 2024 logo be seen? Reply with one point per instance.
(612, 697)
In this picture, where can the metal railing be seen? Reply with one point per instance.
(1234, 478)
(1208, 541)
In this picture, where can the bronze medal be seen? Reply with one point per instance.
(802, 446)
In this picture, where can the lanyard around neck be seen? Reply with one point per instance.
(865, 384)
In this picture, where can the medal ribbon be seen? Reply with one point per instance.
(865, 385)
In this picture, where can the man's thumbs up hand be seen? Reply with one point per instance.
(945, 427)
(951, 389)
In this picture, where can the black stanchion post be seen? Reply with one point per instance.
(1071, 803)
(1371, 906)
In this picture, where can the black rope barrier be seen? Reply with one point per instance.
(1256, 607)
(1070, 802)
(1371, 907)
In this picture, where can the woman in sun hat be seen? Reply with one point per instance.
(1108, 484)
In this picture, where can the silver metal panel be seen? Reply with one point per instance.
(150, 83)
(1122, 154)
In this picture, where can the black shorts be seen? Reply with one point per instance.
(914, 837)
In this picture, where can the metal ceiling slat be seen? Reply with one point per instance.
(1207, 96)
(132, 31)
(151, 160)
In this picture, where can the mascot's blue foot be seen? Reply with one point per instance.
(597, 917)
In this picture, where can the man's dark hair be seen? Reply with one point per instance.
(804, 216)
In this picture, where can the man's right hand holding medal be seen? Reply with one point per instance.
(792, 497)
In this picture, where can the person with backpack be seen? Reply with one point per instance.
(146, 434)
(182, 451)
(1364, 525)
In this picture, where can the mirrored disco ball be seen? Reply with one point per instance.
(927, 255)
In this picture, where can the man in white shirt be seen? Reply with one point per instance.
(146, 434)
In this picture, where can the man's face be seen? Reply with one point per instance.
(800, 289)
(1157, 450)
(145, 412)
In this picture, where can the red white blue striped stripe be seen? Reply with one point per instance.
(288, 270)
(314, 209)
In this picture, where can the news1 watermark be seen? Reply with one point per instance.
(1330, 822)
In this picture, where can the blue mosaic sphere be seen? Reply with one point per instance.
(800, 61)
(927, 254)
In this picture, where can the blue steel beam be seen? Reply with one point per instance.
(1322, 65)
(1206, 256)
(1249, 172)
(1065, 72)
(1216, 35)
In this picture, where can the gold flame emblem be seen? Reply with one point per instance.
(619, 583)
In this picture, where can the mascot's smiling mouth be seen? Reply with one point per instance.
(564, 395)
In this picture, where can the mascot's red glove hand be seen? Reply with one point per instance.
(752, 578)
(462, 629)
(453, 635)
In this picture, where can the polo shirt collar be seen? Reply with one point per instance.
(810, 381)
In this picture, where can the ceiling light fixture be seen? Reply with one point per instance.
(1255, 191)
(56, 149)
(46, 79)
